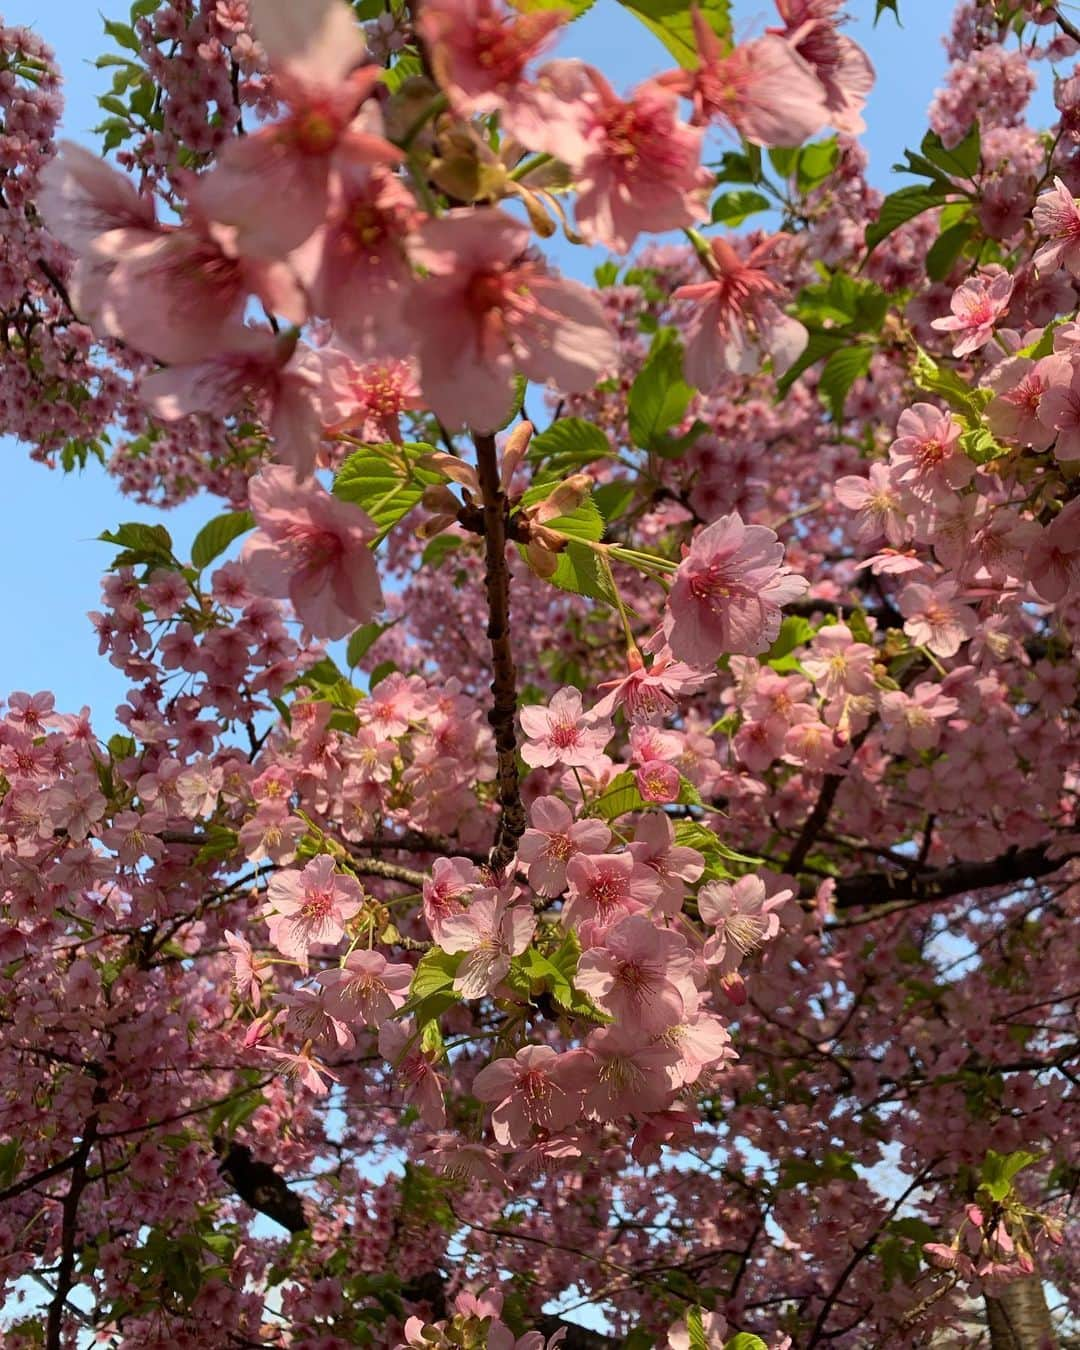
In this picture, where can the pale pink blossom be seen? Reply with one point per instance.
(606, 887)
(1020, 385)
(246, 977)
(310, 906)
(915, 720)
(838, 664)
(742, 916)
(762, 88)
(640, 974)
(658, 781)
(487, 310)
(649, 692)
(977, 305)
(629, 1074)
(727, 593)
(303, 1065)
(878, 504)
(562, 733)
(926, 456)
(314, 550)
(934, 618)
(537, 1088)
(491, 931)
(842, 67)
(399, 1045)
(367, 989)
(554, 837)
(737, 317)
(274, 184)
(676, 866)
(1059, 409)
(1057, 215)
(1053, 562)
(452, 882)
(479, 50)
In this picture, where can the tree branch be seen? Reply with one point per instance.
(1066, 25)
(260, 1186)
(512, 822)
(1017, 864)
(69, 1223)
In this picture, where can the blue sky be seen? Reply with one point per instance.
(48, 521)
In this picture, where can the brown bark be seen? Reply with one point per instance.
(1019, 1318)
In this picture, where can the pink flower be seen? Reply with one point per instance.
(355, 265)
(838, 664)
(658, 781)
(1020, 386)
(675, 865)
(366, 989)
(310, 906)
(246, 976)
(491, 931)
(452, 881)
(398, 1043)
(629, 1076)
(639, 168)
(727, 593)
(1057, 215)
(934, 619)
(1059, 409)
(647, 693)
(536, 1088)
(253, 365)
(742, 917)
(640, 974)
(367, 399)
(479, 52)
(553, 839)
(314, 550)
(977, 305)
(563, 734)
(914, 721)
(761, 88)
(1053, 562)
(878, 503)
(310, 1071)
(487, 310)
(604, 888)
(736, 316)
(274, 183)
(840, 64)
(181, 295)
(926, 456)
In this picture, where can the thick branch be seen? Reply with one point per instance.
(69, 1224)
(1019, 1319)
(1067, 26)
(1018, 864)
(258, 1185)
(511, 824)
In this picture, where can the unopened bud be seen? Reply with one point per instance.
(438, 497)
(517, 443)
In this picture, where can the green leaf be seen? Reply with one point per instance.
(217, 534)
(962, 161)
(732, 208)
(948, 386)
(947, 248)
(407, 66)
(696, 1329)
(981, 445)
(385, 480)
(671, 22)
(659, 396)
(841, 371)
(142, 545)
(435, 972)
(794, 631)
(123, 35)
(812, 1172)
(743, 1340)
(606, 274)
(575, 8)
(440, 548)
(816, 162)
(567, 445)
(614, 498)
(900, 207)
(363, 640)
(620, 796)
(584, 522)
(819, 345)
(890, 5)
(736, 167)
(999, 1170)
(783, 159)
(380, 673)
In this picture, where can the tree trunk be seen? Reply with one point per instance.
(1019, 1318)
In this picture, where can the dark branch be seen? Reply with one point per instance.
(511, 824)
(258, 1185)
(1018, 864)
(1067, 26)
(69, 1223)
